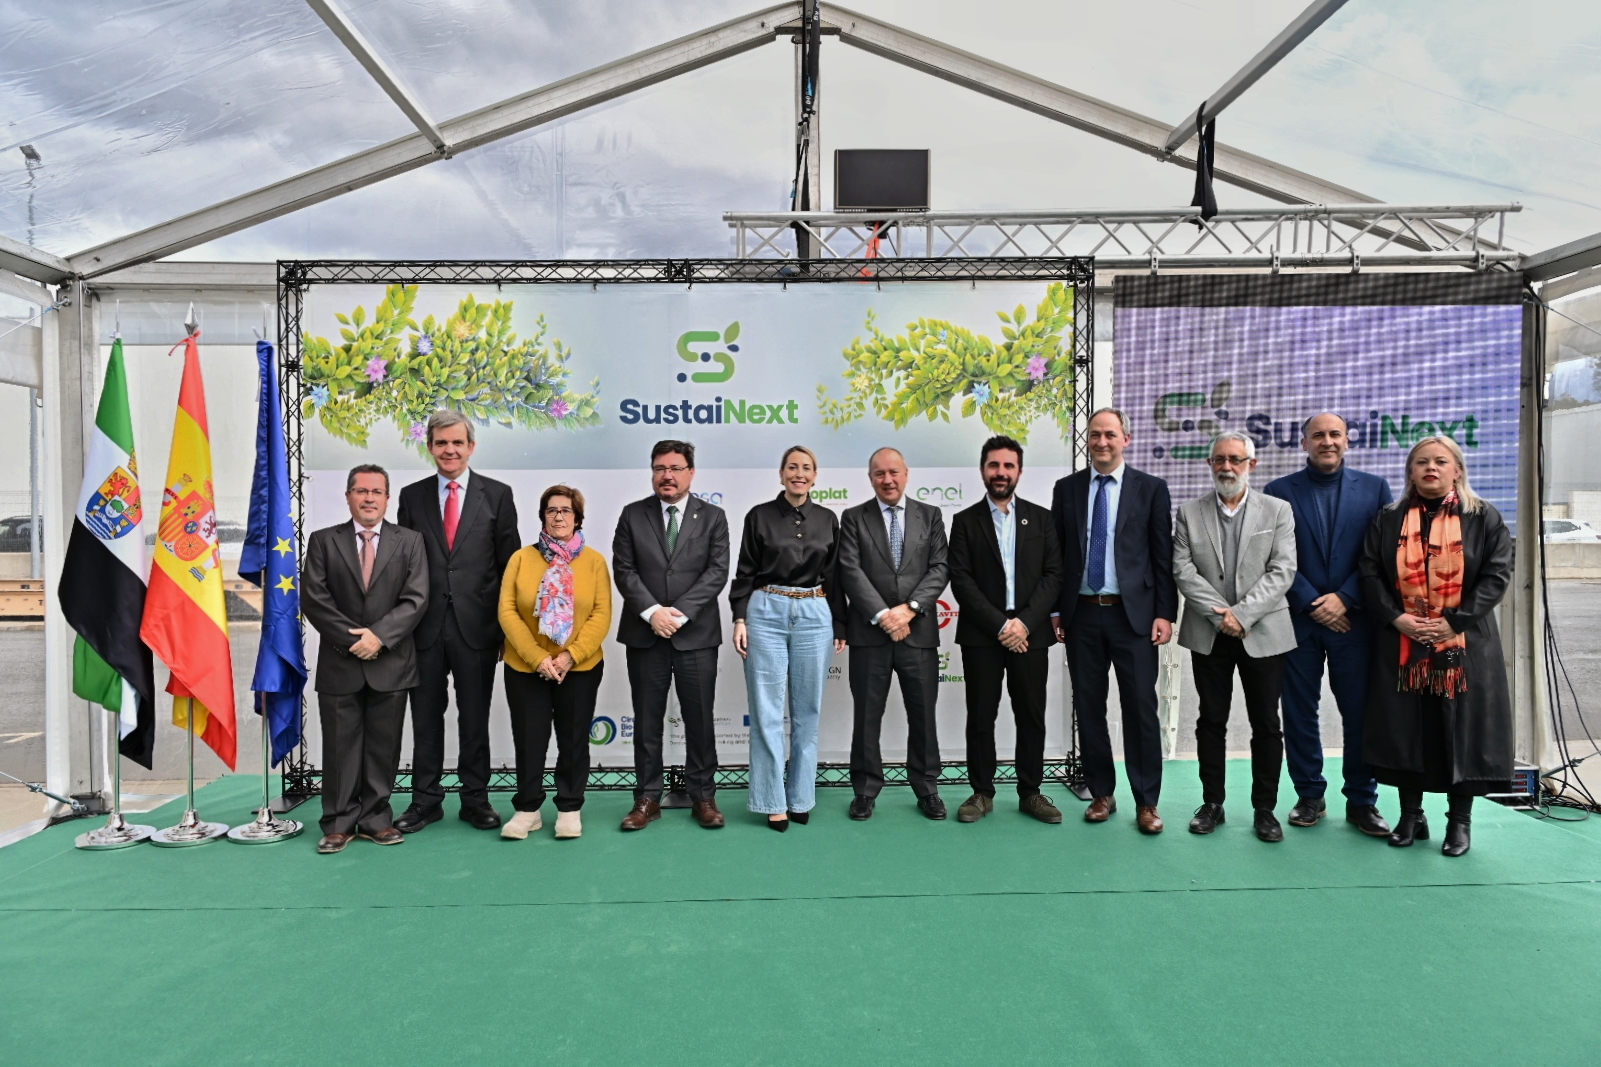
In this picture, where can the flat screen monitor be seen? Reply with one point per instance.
(881, 179)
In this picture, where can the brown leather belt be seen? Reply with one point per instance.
(1105, 600)
(795, 594)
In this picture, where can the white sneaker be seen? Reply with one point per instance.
(521, 825)
(569, 824)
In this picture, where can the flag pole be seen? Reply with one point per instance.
(190, 830)
(267, 828)
(117, 832)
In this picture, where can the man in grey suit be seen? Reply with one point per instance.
(364, 587)
(1234, 561)
(670, 562)
(892, 567)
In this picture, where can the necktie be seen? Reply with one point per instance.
(1095, 573)
(366, 556)
(896, 538)
(452, 513)
(672, 529)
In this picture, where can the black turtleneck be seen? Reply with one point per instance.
(1326, 498)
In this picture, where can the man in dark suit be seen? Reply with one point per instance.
(1334, 506)
(364, 586)
(1005, 571)
(469, 525)
(1117, 606)
(670, 562)
(893, 570)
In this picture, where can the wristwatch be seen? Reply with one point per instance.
(915, 606)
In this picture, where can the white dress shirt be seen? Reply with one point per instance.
(360, 529)
(1114, 493)
(444, 488)
(884, 510)
(1006, 534)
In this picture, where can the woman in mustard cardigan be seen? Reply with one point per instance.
(555, 608)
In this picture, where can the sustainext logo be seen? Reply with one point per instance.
(753, 411)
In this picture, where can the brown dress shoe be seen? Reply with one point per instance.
(646, 811)
(1149, 821)
(332, 843)
(707, 815)
(1100, 809)
(387, 836)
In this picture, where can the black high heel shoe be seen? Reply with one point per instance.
(778, 824)
(802, 817)
(1413, 826)
(1457, 838)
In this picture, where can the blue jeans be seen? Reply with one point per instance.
(790, 642)
(1347, 655)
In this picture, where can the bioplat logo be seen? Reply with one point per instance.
(1206, 414)
(753, 411)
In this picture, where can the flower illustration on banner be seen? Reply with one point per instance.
(398, 369)
(1028, 375)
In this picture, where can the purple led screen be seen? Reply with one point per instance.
(1397, 373)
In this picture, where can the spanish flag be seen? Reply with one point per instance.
(184, 620)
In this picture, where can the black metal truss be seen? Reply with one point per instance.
(301, 777)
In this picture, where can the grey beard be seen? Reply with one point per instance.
(1232, 488)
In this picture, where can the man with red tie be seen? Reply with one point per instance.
(469, 525)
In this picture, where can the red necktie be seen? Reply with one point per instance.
(452, 514)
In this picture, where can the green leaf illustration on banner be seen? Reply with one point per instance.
(934, 363)
(393, 368)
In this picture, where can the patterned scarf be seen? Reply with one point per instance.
(554, 603)
(1429, 579)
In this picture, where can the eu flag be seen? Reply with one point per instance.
(269, 560)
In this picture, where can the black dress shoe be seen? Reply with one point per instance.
(1367, 819)
(1413, 826)
(1267, 826)
(781, 825)
(801, 817)
(1308, 811)
(932, 806)
(1457, 837)
(414, 818)
(1208, 817)
(862, 807)
(481, 818)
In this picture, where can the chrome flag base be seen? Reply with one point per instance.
(189, 831)
(117, 833)
(265, 830)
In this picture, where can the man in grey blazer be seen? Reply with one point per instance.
(670, 562)
(364, 588)
(892, 567)
(1234, 561)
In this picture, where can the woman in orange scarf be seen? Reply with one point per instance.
(1436, 563)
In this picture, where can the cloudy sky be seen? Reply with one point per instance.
(164, 106)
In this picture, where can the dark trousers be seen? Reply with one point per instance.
(360, 754)
(871, 669)
(1100, 639)
(1262, 679)
(1347, 655)
(1025, 672)
(536, 706)
(650, 672)
(474, 672)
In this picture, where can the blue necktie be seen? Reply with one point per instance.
(896, 538)
(1095, 573)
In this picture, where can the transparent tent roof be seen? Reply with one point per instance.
(167, 106)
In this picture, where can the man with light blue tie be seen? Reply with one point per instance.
(1117, 605)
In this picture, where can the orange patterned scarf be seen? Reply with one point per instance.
(1429, 579)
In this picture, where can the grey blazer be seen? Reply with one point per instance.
(690, 579)
(391, 607)
(868, 575)
(1265, 571)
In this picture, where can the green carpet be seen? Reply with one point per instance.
(892, 941)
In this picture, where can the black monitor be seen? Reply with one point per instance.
(881, 179)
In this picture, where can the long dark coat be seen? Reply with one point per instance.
(1479, 721)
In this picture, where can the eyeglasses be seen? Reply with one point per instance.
(369, 492)
(668, 470)
(557, 513)
(1229, 461)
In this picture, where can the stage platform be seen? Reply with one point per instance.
(895, 941)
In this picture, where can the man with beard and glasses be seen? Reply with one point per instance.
(1117, 606)
(1005, 570)
(1234, 560)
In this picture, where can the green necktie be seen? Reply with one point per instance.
(672, 529)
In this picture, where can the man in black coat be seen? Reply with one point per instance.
(1005, 571)
(670, 562)
(469, 524)
(364, 585)
(893, 570)
(1117, 606)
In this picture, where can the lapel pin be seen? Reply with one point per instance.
(1023, 521)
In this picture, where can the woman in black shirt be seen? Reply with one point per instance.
(787, 608)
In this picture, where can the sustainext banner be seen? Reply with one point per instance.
(576, 383)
